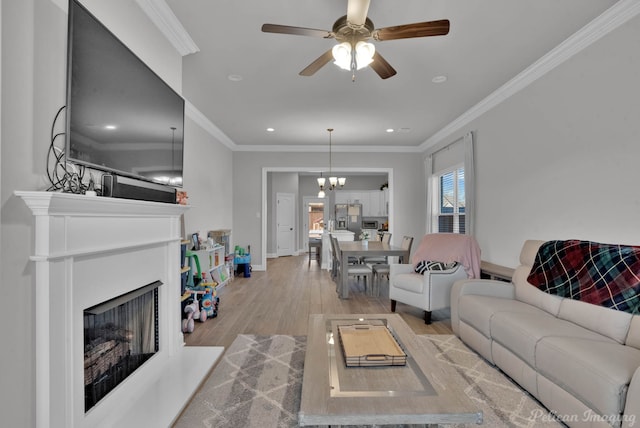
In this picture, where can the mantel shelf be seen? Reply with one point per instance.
(56, 203)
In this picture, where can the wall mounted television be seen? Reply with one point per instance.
(121, 117)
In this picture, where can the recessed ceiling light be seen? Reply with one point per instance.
(439, 79)
(390, 130)
(270, 129)
(234, 77)
(110, 127)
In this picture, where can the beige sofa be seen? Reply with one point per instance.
(580, 360)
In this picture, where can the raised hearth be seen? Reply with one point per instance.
(89, 250)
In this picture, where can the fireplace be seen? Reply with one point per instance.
(91, 256)
(120, 335)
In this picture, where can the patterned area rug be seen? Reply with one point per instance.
(258, 383)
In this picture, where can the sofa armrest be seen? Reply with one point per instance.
(632, 405)
(481, 287)
(396, 268)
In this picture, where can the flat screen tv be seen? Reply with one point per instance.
(122, 118)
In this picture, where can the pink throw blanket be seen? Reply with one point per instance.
(450, 247)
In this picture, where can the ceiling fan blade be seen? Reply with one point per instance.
(316, 65)
(382, 67)
(357, 11)
(420, 29)
(298, 31)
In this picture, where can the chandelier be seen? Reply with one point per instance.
(333, 180)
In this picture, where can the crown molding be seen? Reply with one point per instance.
(609, 20)
(196, 115)
(163, 17)
(324, 148)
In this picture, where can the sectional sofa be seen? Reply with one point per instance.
(581, 360)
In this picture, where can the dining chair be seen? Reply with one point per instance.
(315, 243)
(357, 270)
(380, 269)
(386, 238)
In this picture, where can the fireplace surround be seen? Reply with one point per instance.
(88, 250)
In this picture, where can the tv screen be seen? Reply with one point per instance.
(121, 117)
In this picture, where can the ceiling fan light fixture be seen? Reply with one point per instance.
(342, 55)
(364, 54)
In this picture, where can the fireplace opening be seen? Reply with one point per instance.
(119, 336)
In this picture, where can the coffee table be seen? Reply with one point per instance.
(419, 392)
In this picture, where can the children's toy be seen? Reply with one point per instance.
(193, 313)
(209, 302)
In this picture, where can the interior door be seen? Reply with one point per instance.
(285, 223)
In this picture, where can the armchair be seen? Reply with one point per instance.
(432, 290)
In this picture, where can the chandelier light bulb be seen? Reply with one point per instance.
(321, 194)
(364, 54)
(342, 55)
(342, 181)
(321, 181)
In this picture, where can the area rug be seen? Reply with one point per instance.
(258, 383)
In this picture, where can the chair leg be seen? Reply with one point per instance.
(393, 305)
(427, 317)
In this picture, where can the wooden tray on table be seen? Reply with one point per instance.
(365, 345)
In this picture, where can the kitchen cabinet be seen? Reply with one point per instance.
(374, 202)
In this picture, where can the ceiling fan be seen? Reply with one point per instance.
(353, 31)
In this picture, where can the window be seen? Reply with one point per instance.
(450, 174)
(451, 201)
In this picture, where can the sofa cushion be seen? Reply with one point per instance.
(477, 311)
(608, 322)
(521, 332)
(633, 337)
(527, 293)
(597, 372)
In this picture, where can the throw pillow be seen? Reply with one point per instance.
(426, 265)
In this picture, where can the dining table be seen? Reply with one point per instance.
(360, 249)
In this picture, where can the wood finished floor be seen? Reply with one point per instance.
(280, 300)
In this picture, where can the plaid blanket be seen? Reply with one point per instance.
(602, 274)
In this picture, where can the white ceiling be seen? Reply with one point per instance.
(489, 43)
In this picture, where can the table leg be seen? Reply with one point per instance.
(344, 277)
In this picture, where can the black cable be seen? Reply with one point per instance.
(69, 181)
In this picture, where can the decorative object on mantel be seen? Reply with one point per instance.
(333, 180)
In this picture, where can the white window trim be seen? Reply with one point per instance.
(469, 183)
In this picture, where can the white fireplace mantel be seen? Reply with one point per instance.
(86, 251)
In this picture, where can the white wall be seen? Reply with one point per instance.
(207, 180)
(33, 89)
(558, 160)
